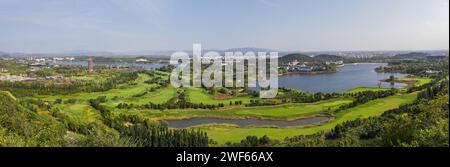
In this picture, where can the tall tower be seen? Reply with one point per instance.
(90, 65)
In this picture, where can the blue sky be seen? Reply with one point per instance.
(304, 25)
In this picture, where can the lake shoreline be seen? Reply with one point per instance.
(308, 73)
(345, 78)
(258, 122)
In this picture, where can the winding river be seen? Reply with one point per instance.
(185, 123)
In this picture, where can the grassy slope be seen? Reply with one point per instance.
(22, 127)
(81, 112)
(222, 134)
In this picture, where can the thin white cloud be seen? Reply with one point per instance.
(70, 23)
(64, 22)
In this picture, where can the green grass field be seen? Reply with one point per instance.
(125, 94)
(197, 95)
(362, 89)
(223, 134)
(293, 110)
(80, 112)
(417, 80)
(124, 91)
(284, 112)
(158, 97)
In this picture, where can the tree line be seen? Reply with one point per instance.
(23, 89)
(179, 101)
(148, 133)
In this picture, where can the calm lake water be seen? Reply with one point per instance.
(245, 122)
(348, 77)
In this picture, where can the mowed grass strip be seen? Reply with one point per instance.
(363, 89)
(81, 112)
(197, 95)
(158, 97)
(293, 110)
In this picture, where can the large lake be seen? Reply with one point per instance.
(348, 77)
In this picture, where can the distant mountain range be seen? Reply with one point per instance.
(131, 53)
(163, 53)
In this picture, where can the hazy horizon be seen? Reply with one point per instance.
(133, 52)
(51, 26)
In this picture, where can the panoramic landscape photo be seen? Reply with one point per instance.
(200, 73)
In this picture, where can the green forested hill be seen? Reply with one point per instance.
(22, 127)
(305, 58)
(327, 57)
(19, 126)
(412, 55)
(297, 56)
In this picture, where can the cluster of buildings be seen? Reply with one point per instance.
(34, 65)
(335, 63)
(49, 59)
(8, 77)
(17, 78)
(296, 66)
(33, 61)
(37, 61)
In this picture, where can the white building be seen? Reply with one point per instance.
(70, 58)
(141, 60)
(39, 60)
(340, 62)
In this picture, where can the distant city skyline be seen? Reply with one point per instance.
(51, 26)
